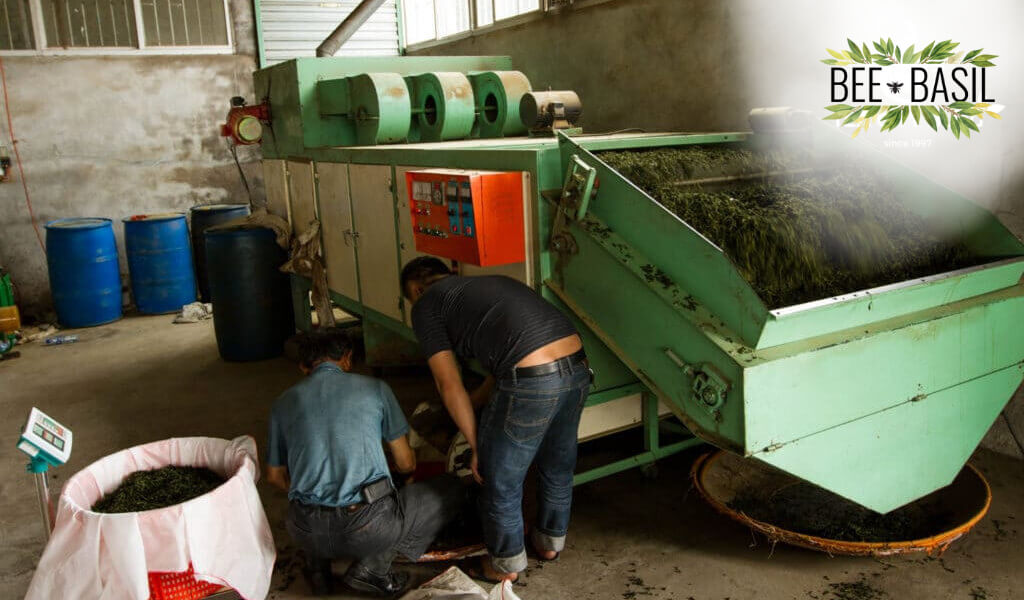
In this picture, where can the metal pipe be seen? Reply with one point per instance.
(746, 177)
(45, 505)
(359, 15)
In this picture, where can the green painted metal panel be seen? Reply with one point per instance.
(638, 325)
(805, 393)
(609, 372)
(863, 308)
(893, 457)
(334, 96)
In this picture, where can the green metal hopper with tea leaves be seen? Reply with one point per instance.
(879, 395)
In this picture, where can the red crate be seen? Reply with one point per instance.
(179, 586)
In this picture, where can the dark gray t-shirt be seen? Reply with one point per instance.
(492, 318)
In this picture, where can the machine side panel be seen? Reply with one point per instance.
(895, 456)
(373, 206)
(339, 245)
(275, 181)
(406, 242)
(302, 194)
(649, 334)
(863, 309)
(615, 415)
(797, 396)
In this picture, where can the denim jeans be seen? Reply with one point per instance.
(529, 420)
(404, 523)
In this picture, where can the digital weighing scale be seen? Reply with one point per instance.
(48, 444)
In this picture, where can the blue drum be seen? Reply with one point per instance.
(159, 262)
(85, 279)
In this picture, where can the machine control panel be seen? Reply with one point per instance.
(474, 217)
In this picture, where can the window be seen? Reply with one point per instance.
(102, 26)
(427, 20)
(294, 28)
(16, 33)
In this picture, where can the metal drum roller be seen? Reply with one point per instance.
(381, 107)
(443, 106)
(497, 95)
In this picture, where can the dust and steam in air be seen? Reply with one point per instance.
(816, 216)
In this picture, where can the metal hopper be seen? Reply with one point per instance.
(879, 395)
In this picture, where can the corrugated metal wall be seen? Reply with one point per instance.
(294, 28)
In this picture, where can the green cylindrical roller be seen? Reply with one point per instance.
(444, 106)
(381, 108)
(497, 95)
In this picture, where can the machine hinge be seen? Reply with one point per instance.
(578, 188)
(710, 388)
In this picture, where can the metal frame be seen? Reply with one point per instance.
(41, 49)
(261, 51)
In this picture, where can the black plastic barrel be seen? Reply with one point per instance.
(252, 301)
(204, 217)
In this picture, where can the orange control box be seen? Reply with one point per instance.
(472, 217)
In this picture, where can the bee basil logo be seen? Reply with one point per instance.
(937, 84)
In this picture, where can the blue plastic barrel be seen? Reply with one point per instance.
(85, 279)
(204, 217)
(252, 299)
(159, 262)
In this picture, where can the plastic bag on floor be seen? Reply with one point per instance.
(224, 534)
(453, 584)
(194, 312)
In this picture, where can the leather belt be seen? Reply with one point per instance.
(350, 508)
(552, 367)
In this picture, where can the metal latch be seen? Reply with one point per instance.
(709, 387)
(351, 233)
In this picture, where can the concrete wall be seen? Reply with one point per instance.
(117, 136)
(693, 65)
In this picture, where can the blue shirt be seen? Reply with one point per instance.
(327, 430)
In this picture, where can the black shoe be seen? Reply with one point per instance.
(362, 580)
(320, 583)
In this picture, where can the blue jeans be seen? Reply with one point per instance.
(529, 420)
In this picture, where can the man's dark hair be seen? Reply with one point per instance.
(420, 269)
(319, 345)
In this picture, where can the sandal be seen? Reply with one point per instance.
(480, 572)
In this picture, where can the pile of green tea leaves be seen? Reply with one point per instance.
(808, 509)
(797, 238)
(148, 490)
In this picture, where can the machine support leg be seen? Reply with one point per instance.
(45, 505)
(651, 422)
(300, 303)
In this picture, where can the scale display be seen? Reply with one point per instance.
(45, 436)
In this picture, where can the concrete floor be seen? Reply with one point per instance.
(143, 379)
